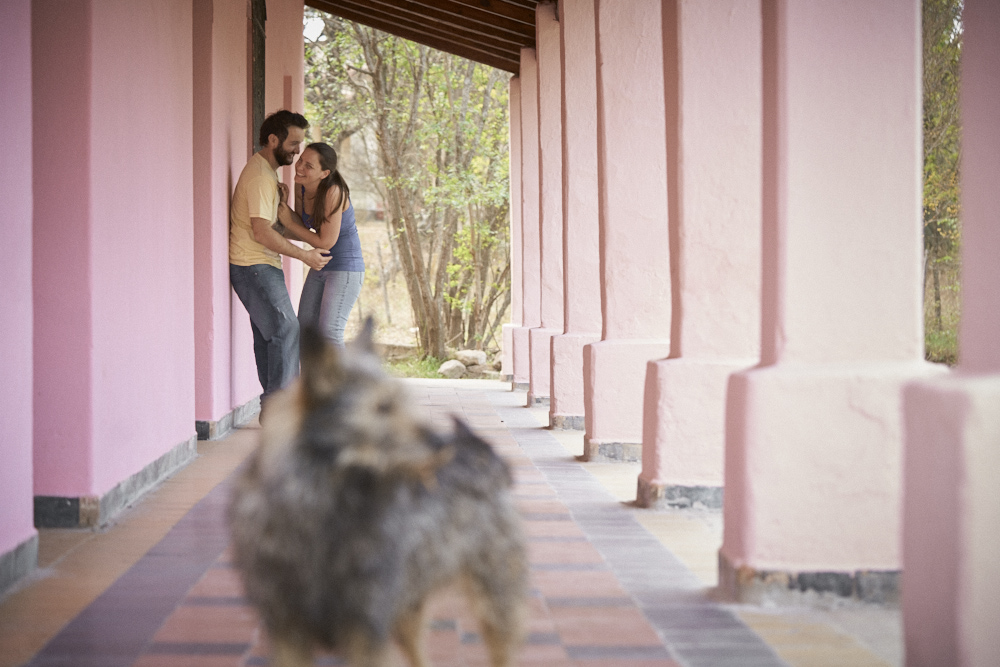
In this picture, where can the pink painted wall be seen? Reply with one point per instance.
(634, 236)
(16, 428)
(62, 273)
(713, 72)
(113, 240)
(550, 165)
(550, 196)
(951, 531)
(530, 239)
(581, 259)
(530, 192)
(516, 227)
(220, 150)
(814, 435)
(635, 260)
(142, 235)
(582, 287)
(718, 175)
(284, 89)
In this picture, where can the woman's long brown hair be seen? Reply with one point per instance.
(327, 160)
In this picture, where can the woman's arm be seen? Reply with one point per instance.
(328, 233)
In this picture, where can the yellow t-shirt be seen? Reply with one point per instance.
(256, 196)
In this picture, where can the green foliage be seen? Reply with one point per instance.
(414, 367)
(942, 55)
(441, 133)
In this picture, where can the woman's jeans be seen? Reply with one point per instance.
(327, 299)
(261, 288)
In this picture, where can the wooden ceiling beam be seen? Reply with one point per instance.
(507, 60)
(492, 8)
(473, 40)
(464, 19)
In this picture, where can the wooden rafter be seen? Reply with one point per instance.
(491, 32)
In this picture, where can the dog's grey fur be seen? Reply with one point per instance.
(352, 512)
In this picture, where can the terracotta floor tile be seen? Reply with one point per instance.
(577, 584)
(206, 624)
(594, 626)
(563, 552)
(219, 582)
(188, 661)
(548, 528)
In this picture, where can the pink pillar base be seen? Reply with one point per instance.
(813, 475)
(540, 344)
(566, 408)
(614, 377)
(507, 353)
(683, 439)
(521, 357)
(951, 521)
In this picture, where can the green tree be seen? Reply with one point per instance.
(440, 127)
(942, 54)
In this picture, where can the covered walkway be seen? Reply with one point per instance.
(612, 585)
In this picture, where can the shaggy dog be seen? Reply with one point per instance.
(352, 512)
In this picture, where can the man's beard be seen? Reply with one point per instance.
(283, 157)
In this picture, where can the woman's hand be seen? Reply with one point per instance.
(282, 194)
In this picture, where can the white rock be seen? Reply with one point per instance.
(471, 357)
(452, 369)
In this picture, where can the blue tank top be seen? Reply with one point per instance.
(345, 255)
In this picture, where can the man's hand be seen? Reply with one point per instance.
(315, 258)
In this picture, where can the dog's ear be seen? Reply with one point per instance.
(321, 368)
(365, 340)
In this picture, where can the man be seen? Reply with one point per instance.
(255, 247)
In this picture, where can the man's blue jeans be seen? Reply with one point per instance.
(261, 288)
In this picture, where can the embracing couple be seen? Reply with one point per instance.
(260, 224)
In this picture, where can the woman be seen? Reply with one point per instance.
(324, 218)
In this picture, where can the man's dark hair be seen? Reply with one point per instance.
(278, 124)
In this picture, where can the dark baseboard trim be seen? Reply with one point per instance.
(519, 386)
(611, 452)
(567, 422)
(91, 511)
(672, 496)
(535, 401)
(235, 418)
(18, 563)
(747, 585)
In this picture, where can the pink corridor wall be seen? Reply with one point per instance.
(113, 275)
(15, 279)
(125, 323)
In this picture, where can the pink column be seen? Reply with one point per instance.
(581, 233)
(530, 238)
(220, 131)
(712, 72)
(516, 277)
(113, 241)
(814, 434)
(284, 89)
(951, 530)
(634, 243)
(18, 537)
(550, 202)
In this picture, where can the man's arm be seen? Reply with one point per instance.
(268, 237)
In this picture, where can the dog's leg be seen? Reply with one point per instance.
(410, 635)
(500, 611)
(289, 653)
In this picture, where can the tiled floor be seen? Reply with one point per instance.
(612, 585)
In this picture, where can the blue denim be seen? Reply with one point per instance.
(327, 299)
(261, 288)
